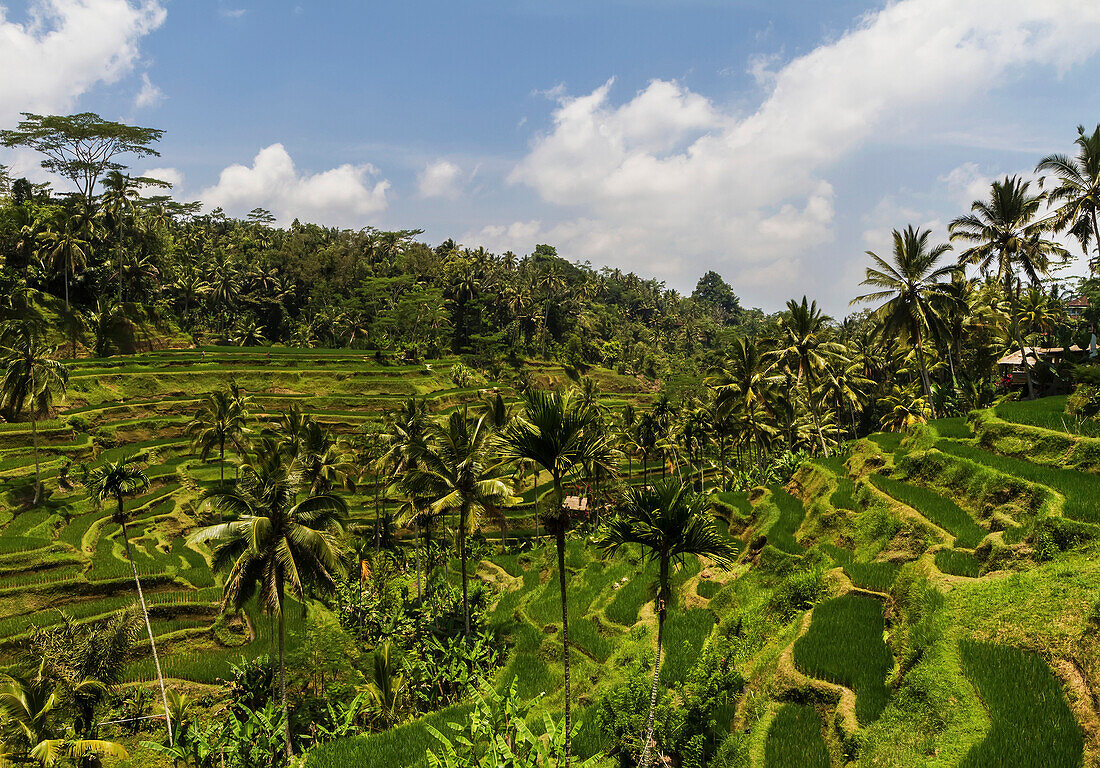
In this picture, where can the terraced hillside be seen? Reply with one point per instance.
(66, 553)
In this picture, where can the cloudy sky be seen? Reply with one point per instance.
(772, 140)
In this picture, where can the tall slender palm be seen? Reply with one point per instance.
(119, 199)
(114, 480)
(560, 433)
(1077, 194)
(66, 250)
(1008, 239)
(407, 440)
(31, 377)
(456, 471)
(272, 544)
(916, 287)
(670, 523)
(807, 351)
(219, 420)
(744, 384)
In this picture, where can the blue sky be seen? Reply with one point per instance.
(772, 141)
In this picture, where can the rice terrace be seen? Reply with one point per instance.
(286, 482)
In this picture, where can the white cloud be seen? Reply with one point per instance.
(440, 179)
(173, 176)
(670, 176)
(66, 47)
(233, 13)
(150, 95)
(345, 196)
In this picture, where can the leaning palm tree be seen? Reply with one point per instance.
(457, 473)
(31, 377)
(272, 544)
(1077, 194)
(114, 480)
(219, 420)
(669, 523)
(917, 289)
(562, 435)
(1007, 239)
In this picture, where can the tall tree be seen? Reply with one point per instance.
(456, 470)
(65, 249)
(916, 288)
(32, 378)
(271, 544)
(1076, 197)
(744, 383)
(561, 434)
(669, 522)
(115, 480)
(1006, 239)
(806, 349)
(81, 147)
(220, 420)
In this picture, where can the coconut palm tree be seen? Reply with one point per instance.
(903, 408)
(219, 420)
(916, 289)
(807, 352)
(561, 434)
(669, 523)
(114, 480)
(456, 471)
(744, 383)
(272, 544)
(1006, 239)
(120, 197)
(31, 377)
(66, 250)
(1077, 195)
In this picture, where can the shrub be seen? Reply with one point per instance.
(796, 593)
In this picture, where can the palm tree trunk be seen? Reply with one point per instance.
(1096, 233)
(148, 626)
(419, 598)
(1013, 299)
(282, 676)
(37, 467)
(462, 556)
(221, 461)
(560, 542)
(66, 285)
(661, 612)
(925, 381)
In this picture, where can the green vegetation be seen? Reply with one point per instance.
(1031, 724)
(958, 562)
(794, 739)
(940, 510)
(844, 645)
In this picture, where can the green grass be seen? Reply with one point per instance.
(1032, 727)
(844, 497)
(707, 588)
(405, 746)
(1048, 413)
(685, 633)
(877, 576)
(791, 514)
(844, 645)
(955, 428)
(586, 635)
(629, 599)
(794, 739)
(1080, 489)
(958, 562)
(939, 509)
(890, 442)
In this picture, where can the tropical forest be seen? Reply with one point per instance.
(286, 494)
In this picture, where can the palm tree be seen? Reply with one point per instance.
(119, 198)
(807, 352)
(1007, 238)
(31, 377)
(456, 470)
(66, 250)
(561, 434)
(272, 544)
(916, 289)
(903, 409)
(669, 523)
(115, 480)
(744, 384)
(1077, 195)
(30, 703)
(219, 420)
